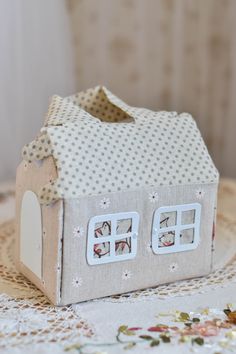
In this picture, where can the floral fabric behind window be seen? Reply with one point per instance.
(176, 228)
(112, 237)
(122, 246)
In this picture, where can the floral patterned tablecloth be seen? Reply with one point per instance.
(196, 315)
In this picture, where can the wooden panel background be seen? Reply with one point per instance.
(164, 54)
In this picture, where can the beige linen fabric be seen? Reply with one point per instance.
(81, 281)
(67, 277)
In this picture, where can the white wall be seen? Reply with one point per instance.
(36, 61)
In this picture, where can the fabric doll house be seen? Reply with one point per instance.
(113, 198)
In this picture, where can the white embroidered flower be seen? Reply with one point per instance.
(104, 203)
(126, 275)
(77, 282)
(22, 320)
(153, 197)
(149, 247)
(57, 268)
(173, 267)
(78, 231)
(200, 193)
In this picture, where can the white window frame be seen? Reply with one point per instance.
(177, 228)
(112, 238)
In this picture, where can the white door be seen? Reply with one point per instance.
(31, 233)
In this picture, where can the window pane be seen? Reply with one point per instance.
(168, 219)
(123, 246)
(166, 239)
(186, 236)
(188, 217)
(176, 228)
(112, 237)
(102, 229)
(123, 226)
(101, 250)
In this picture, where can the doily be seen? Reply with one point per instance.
(26, 315)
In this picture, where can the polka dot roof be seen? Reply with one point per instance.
(102, 145)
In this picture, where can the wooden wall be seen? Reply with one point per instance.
(164, 54)
(161, 54)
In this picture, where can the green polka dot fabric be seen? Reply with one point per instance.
(102, 145)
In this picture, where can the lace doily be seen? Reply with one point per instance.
(26, 316)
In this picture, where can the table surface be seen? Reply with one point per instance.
(183, 317)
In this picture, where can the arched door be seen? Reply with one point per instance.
(31, 233)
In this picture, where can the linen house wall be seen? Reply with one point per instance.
(113, 198)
